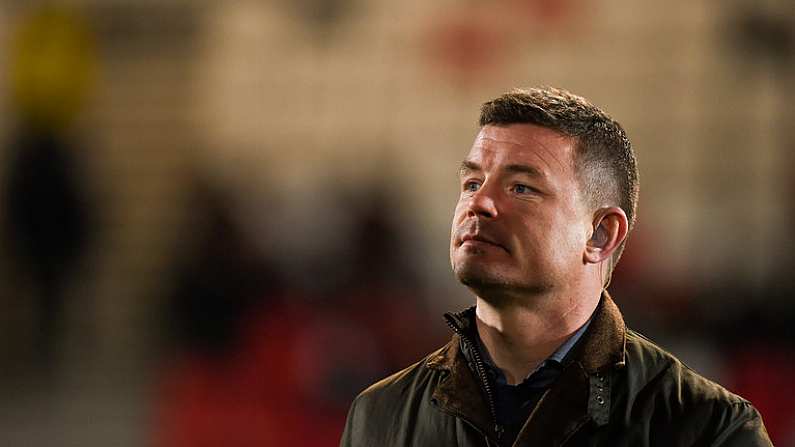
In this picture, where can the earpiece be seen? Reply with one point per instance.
(599, 236)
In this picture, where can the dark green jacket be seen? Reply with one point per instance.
(617, 389)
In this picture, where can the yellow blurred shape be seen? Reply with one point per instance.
(52, 66)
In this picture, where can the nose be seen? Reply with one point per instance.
(482, 204)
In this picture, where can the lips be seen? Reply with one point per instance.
(480, 237)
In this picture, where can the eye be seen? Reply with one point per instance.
(471, 186)
(522, 189)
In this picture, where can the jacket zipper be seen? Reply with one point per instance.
(481, 372)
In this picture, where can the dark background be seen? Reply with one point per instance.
(221, 220)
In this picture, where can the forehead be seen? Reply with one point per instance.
(537, 146)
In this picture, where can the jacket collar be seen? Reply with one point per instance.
(580, 394)
(458, 392)
(603, 346)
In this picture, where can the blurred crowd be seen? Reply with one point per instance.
(272, 288)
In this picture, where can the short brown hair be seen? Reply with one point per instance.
(604, 157)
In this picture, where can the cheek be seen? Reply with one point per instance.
(456, 220)
(572, 236)
(458, 213)
(557, 234)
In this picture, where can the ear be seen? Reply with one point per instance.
(610, 227)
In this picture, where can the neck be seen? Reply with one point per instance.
(519, 337)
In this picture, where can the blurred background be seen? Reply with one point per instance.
(221, 220)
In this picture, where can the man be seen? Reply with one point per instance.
(548, 196)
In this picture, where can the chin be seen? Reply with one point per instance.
(490, 285)
(478, 278)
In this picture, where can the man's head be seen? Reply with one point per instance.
(550, 185)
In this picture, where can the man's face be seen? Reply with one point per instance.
(521, 224)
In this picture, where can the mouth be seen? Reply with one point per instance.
(479, 240)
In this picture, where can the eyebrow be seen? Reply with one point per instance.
(525, 169)
(470, 166)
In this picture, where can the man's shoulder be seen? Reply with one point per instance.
(378, 415)
(657, 371)
(402, 384)
(682, 396)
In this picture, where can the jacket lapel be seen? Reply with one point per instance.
(562, 410)
(458, 393)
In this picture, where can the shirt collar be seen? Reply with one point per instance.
(555, 359)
